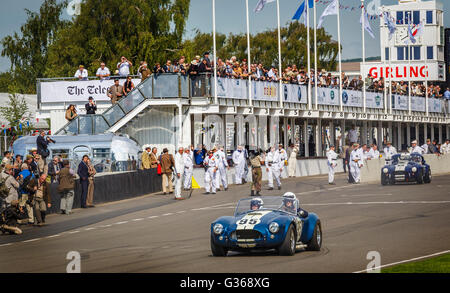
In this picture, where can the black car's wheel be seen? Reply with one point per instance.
(288, 245)
(384, 180)
(316, 241)
(217, 250)
(427, 178)
(420, 177)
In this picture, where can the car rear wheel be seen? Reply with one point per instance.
(288, 245)
(217, 250)
(316, 241)
(427, 178)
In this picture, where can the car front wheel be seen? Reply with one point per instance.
(217, 250)
(427, 178)
(316, 241)
(288, 245)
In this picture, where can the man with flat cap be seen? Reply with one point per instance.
(415, 148)
(389, 151)
(332, 163)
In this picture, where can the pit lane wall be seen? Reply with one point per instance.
(371, 171)
(305, 167)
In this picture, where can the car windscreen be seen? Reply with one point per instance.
(273, 203)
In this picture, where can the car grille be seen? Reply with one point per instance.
(248, 234)
(402, 173)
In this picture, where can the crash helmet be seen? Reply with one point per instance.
(289, 200)
(256, 202)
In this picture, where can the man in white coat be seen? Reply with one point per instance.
(211, 166)
(389, 151)
(373, 153)
(445, 148)
(188, 168)
(179, 172)
(332, 163)
(221, 175)
(239, 162)
(273, 167)
(356, 163)
(415, 148)
(283, 158)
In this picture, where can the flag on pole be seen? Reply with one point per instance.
(366, 23)
(261, 3)
(299, 11)
(305, 16)
(410, 35)
(390, 23)
(332, 9)
(418, 31)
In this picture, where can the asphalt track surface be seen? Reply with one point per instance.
(154, 233)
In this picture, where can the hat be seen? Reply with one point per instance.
(206, 53)
(90, 98)
(81, 66)
(197, 57)
(194, 62)
(414, 141)
(356, 144)
(388, 142)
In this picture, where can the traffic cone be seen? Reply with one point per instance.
(195, 184)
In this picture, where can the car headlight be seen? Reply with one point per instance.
(274, 227)
(385, 170)
(218, 229)
(414, 169)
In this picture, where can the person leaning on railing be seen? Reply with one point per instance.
(71, 112)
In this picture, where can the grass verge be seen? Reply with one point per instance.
(439, 264)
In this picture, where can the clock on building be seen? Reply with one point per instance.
(401, 36)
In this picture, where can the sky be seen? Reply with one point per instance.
(231, 18)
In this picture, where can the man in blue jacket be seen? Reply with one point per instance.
(83, 172)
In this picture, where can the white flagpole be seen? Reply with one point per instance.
(249, 60)
(279, 55)
(364, 53)
(215, 51)
(340, 61)
(315, 55)
(308, 53)
(409, 68)
(388, 101)
(426, 81)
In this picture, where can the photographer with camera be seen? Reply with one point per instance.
(42, 143)
(10, 216)
(91, 107)
(39, 188)
(25, 199)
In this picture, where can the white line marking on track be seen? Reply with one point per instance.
(31, 240)
(168, 214)
(120, 223)
(324, 190)
(89, 229)
(180, 212)
(73, 232)
(405, 261)
(135, 220)
(362, 195)
(152, 217)
(53, 236)
(374, 202)
(7, 244)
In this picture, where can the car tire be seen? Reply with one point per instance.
(217, 250)
(427, 178)
(420, 178)
(288, 246)
(316, 241)
(384, 180)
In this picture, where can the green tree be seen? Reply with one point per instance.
(16, 112)
(105, 30)
(28, 51)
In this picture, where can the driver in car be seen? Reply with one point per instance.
(256, 204)
(289, 200)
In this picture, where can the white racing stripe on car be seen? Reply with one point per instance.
(251, 219)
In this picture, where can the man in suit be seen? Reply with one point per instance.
(54, 167)
(167, 165)
(115, 92)
(83, 172)
(146, 159)
(154, 158)
(91, 107)
(42, 143)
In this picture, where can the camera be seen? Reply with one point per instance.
(51, 140)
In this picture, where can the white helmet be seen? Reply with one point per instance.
(258, 202)
(289, 195)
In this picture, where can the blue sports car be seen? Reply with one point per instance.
(406, 168)
(271, 222)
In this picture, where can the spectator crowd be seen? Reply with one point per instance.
(26, 185)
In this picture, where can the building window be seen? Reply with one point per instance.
(399, 17)
(416, 53)
(416, 17)
(408, 17)
(400, 53)
(430, 53)
(386, 53)
(429, 17)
